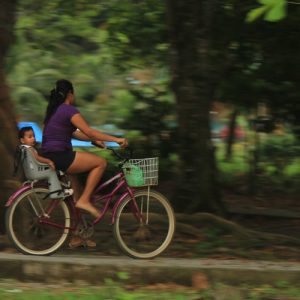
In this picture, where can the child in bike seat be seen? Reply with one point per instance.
(27, 138)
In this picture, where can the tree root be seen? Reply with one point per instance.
(199, 219)
(188, 230)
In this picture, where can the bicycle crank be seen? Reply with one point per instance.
(85, 231)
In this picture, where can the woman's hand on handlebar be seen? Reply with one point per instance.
(122, 142)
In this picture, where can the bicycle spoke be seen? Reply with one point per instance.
(33, 206)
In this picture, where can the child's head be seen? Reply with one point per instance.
(26, 136)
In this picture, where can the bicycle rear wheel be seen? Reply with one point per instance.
(35, 225)
(144, 227)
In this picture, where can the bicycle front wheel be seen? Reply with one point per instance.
(144, 226)
(35, 225)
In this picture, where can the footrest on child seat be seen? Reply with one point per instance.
(60, 194)
(68, 192)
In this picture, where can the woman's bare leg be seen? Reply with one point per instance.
(95, 165)
(76, 186)
(77, 241)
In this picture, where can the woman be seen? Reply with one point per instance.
(62, 122)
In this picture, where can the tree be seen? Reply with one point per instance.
(69, 41)
(279, 70)
(8, 131)
(190, 27)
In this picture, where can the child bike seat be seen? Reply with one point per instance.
(35, 170)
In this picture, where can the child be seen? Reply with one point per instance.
(27, 138)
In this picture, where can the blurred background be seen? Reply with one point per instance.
(211, 88)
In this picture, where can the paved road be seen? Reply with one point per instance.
(94, 269)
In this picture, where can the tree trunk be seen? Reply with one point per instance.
(190, 26)
(8, 129)
(231, 135)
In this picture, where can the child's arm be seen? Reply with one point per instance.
(43, 160)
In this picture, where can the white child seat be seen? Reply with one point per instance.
(35, 170)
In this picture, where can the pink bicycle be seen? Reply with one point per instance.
(143, 219)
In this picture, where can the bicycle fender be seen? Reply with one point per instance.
(16, 194)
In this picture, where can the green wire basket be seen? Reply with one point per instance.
(141, 172)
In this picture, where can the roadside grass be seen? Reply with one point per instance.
(115, 291)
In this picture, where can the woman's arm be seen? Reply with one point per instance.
(79, 135)
(93, 134)
(83, 137)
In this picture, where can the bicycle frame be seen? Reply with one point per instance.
(143, 221)
(107, 199)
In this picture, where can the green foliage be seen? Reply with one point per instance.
(100, 45)
(138, 32)
(271, 10)
(234, 166)
(258, 68)
(279, 155)
(69, 42)
(278, 169)
(279, 147)
(89, 43)
(293, 169)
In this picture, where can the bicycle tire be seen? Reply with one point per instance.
(24, 230)
(135, 237)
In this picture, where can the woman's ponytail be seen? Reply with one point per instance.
(57, 97)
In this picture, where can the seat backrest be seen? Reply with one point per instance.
(35, 170)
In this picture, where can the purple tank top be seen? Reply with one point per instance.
(58, 131)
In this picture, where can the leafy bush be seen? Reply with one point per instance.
(279, 149)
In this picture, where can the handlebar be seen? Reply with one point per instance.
(125, 157)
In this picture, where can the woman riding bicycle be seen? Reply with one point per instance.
(38, 224)
(62, 123)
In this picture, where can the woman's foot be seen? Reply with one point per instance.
(90, 243)
(77, 241)
(87, 206)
